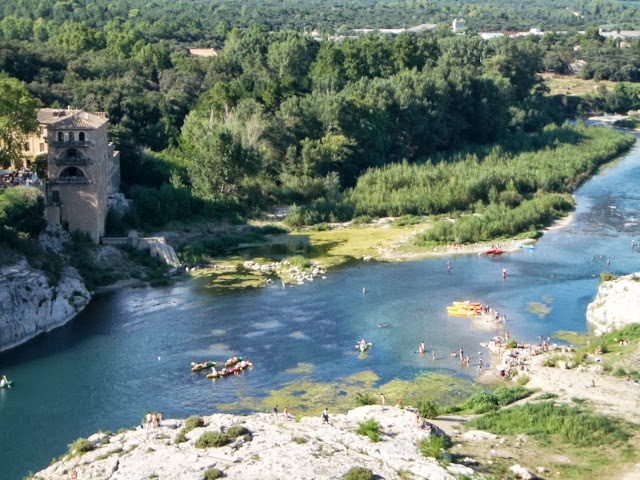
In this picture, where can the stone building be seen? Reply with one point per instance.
(83, 168)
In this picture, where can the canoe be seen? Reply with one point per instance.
(230, 370)
(233, 360)
(7, 385)
(467, 302)
(197, 367)
(527, 247)
(494, 251)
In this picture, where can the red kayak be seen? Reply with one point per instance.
(494, 251)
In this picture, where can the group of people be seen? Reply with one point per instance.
(18, 177)
(285, 413)
(153, 420)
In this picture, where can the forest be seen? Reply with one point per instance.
(281, 116)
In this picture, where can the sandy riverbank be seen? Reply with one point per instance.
(611, 395)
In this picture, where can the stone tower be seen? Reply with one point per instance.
(83, 168)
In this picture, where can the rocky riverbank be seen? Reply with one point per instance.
(29, 306)
(271, 448)
(616, 305)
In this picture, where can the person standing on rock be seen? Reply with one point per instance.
(325, 416)
(383, 400)
(275, 412)
(285, 413)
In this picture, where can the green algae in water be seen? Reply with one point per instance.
(304, 397)
(300, 369)
(539, 309)
(573, 338)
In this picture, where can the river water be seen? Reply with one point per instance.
(130, 350)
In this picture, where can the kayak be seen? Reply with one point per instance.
(230, 370)
(232, 361)
(7, 385)
(494, 251)
(465, 309)
(527, 247)
(197, 367)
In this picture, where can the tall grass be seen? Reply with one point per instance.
(569, 424)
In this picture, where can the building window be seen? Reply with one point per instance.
(55, 196)
(42, 132)
(81, 136)
(42, 147)
(26, 146)
(71, 138)
(60, 137)
(71, 173)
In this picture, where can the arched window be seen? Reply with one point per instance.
(60, 137)
(81, 136)
(71, 137)
(72, 153)
(71, 173)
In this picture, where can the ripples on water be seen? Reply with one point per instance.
(131, 350)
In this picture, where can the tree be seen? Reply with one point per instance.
(219, 163)
(17, 119)
(22, 212)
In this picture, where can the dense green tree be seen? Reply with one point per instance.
(218, 163)
(17, 119)
(22, 212)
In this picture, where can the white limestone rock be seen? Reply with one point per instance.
(30, 306)
(275, 450)
(616, 305)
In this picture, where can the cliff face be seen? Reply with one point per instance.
(29, 306)
(616, 305)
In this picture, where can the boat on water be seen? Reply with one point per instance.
(233, 360)
(235, 369)
(494, 251)
(197, 367)
(465, 309)
(527, 247)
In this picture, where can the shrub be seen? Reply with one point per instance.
(522, 380)
(358, 473)
(620, 372)
(213, 473)
(428, 409)
(212, 439)
(365, 399)
(80, 446)
(193, 422)
(483, 402)
(298, 261)
(434, 445)
(512, 344)
(606, 277)
(371, 429)
(237, 431)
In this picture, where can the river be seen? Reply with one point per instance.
(130, 351)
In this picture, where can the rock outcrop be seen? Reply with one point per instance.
(30, 306)
(616, 305)
(273, 449)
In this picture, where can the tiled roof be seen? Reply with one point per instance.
(61, 118)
